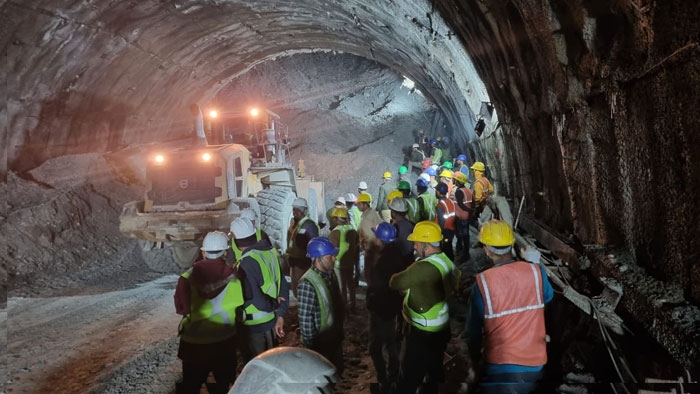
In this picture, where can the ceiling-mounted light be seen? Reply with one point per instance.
(206, 157)
(213, 113)
(254, 112)
(159, 158)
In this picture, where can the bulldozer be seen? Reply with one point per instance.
(237, 160)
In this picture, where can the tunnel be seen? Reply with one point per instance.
(582, 112)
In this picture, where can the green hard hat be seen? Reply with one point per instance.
(447, 164)
(404, 185)
(403, 170)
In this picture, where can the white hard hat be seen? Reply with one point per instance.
(362, 185)
(340, 200)
(398, 204)
(425, 176)
(249, 214)
(242, 228)
(215, 244)
(286, 370)
(414, 146)
(300, 203)
(350, 197)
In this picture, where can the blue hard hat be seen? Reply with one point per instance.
(432, 141)
(441, 188)
(431, 171)
(446, 140)
(421, 182)
(385, 231)
(320, 246)
(462, 157)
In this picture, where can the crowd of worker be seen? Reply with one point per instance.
(413, 239)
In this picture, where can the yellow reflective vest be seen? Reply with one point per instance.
(272, 280)
(438, 316)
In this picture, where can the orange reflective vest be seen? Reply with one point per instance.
(448, 213)
(514, 331)
(459, 212)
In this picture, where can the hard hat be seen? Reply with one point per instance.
(460, 177)
(394, 194)
(350, 197)
(385, 231)
(441, 188)
(414, 146)
(339, 212)
(242, 228)
(447, 164)
(446, 174)
(478, 166)
(462, 158)
(362, 185)
(433, 141)
(320, 246)
(420, 182)
(365, 197)
(426, 231)
(496, 233)
(386, 174)
(214, 244)
(300, 203)
(398, 204)
(439, 139)
(403, 170)
(425, 176)
(431, 171)
(281, 368)
(426, 162)
(446, 140)
(404, 185)
(249, 214)
(421, 131)
(340, 200)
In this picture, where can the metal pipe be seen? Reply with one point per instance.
(522, 200)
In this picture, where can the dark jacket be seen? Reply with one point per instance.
(380, 299)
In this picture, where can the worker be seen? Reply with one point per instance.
(321, 309)
(420, 136)
(482, 188)
(339, 202)
(463, 213)
(436, 156)
(461, 165)
(362, 187)
(432, 173)
(249, 214)
(415, 159)
(426, 201)
(354, 213)
(369, 220)
(427, 284)
(446, 146)
(403, 173)
(303, 369)
(384, 189)
(411, 203)
(506, 313)
(446, 178)
(384, 306)
(445, 218)
(345, 238)
(209, 296)
(394, 194)
(265, 289)
(404, 228)
(301, 230)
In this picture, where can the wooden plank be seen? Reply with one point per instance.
(556, 245)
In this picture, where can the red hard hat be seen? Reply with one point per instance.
(426, 163)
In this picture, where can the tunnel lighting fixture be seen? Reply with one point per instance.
(408, 83)
(159, 159)
(206, 157)
(254, 112)
(213, 113)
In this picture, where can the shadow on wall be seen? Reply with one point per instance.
(71, 123)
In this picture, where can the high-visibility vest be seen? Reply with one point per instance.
(459, 212)
(237, 253)
(272, 281)
(437, 156)
(356, 215)
(323, 294)
(514, 328)
(438, 316)
(429, 205)
(486, 191)
(343, 245)
(413, 214)
(211, 320)
(448, 213)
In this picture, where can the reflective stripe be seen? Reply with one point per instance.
(259, 315)
(487, 297)
(442, 317)
(272, 281)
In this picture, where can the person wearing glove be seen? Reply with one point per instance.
(506, 315)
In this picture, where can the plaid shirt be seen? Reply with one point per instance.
(310, 309)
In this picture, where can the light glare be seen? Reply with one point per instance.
(213, 113)
(206, 157)
(160, 158)
(254, 112)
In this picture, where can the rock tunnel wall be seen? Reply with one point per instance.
(600, 126)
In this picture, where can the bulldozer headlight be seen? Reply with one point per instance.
(206, 157)
(213, 113)
(254, 112)
(160, 159)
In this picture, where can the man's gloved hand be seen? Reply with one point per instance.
(530, 254)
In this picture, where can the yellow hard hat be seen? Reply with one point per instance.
(479, 166)
(339, 212)
(460, 177)
(387, 174)
(364, 197)
(446, 174)
(426, 231)
(496, 233)
(394, 194)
